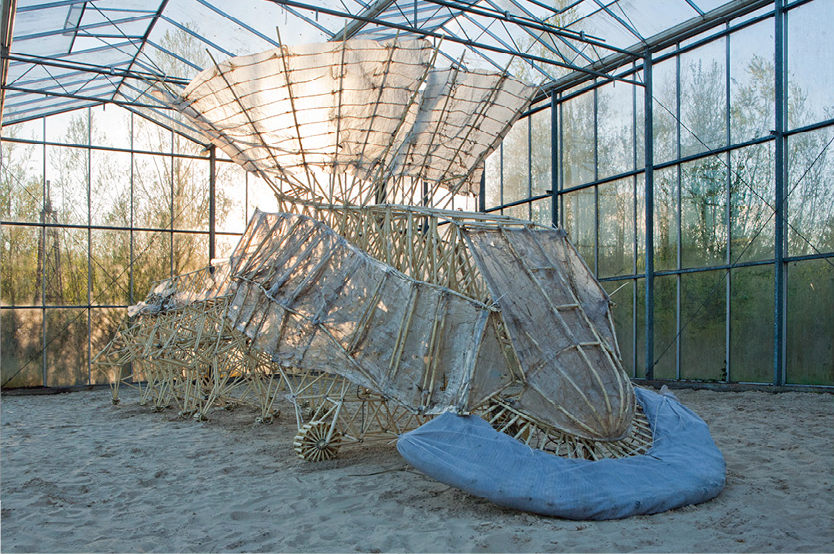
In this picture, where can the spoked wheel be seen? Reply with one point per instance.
(311, 442)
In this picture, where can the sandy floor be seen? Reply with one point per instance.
(81, 475)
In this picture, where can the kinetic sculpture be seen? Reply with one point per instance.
(365, 302)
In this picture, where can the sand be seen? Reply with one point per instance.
(81, 475)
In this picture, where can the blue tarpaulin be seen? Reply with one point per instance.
(682, 467)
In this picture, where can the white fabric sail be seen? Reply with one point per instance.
(378, 111)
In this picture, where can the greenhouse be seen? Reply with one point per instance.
(417, 275)
(683, 146)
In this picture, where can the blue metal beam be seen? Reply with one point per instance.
(781, 178)
(177, 57)
(554, 158)
(648, 98)
(98, 25)
(148, 31)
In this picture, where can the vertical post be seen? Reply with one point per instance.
(212, 205)
(132, 215)
(596, 187)
(678, 215)
(501, 181)
(43, 294)
(554, 159)
(634, 226)
(779, 196)
(89, 243)
(649, 192)
(120, 371)
(482, 191)
(172, 206)
(529, 165)
(728, 299)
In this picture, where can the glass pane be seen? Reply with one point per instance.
(182, 46)
(105, 322)
(578, 140)
(810, 325)
(516, 167)
(151, 260)
(66, 185)
(150, 137)
(751, 325)
(230, 201)
(190, 252)
(704, 83)
(664, 111)
(19, 283)
(66, 347)
(542, 213)
(666, 218)
(65, 266)
(704, 212)
(540, 142)
(615, 138)
(111, 267)
(640, 127)
(810, 63)
(21, 340)
(810, 192)
(580, 222)
(224, 32)
(225, 245)
(665, 326)
(616, 228)
(751, 200)
(188, 147)
(32, 130)
(111, 126)
(640, 222)
(152, 191)
(263, 198)
(110, 188)
(521, 211)
(21, 181)
(68, 127)
(640, 317)
(752, 95)
(492, 175)
(464, 203)
(191, 198)
(703, 323)
(709, 33)
(622, 294)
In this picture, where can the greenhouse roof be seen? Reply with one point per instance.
(68, 54)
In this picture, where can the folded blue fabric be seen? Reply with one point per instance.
(683, 466)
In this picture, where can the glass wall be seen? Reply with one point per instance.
(95, 205)
(714, 310)
(711, 226)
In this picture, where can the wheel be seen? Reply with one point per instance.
(311, 442)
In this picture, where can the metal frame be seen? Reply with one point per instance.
(87, 307)
(778, 137)
(624, 65)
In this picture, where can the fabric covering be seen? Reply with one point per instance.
(683, 467)
(311, 300)
(376, 110)
(558, 318)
